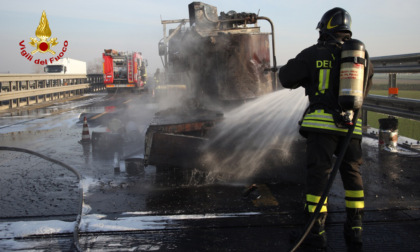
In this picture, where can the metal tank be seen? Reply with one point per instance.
(217, 62)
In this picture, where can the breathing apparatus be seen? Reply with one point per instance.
(352, 78)
(353, 67)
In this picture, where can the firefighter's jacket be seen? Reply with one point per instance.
(317, 69)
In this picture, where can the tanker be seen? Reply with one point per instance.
(214, 64)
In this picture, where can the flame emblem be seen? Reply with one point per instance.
(43, 32)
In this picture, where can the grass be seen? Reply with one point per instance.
(406, 127)
(411, 94)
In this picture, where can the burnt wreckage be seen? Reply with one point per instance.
(219, 62)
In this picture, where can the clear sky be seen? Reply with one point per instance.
(387, 27)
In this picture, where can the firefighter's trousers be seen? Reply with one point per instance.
(319, 151)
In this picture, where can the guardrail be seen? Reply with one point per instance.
(391, 104)
(400, 107)
(40, 87)
(24, 89)
(403, 63)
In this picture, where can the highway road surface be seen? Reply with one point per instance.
(142, 209)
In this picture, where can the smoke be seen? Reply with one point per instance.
(216, 70)
(223, 70)
(256, 137)
(95, 66)
(170, 97)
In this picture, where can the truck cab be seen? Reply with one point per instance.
(55, 69)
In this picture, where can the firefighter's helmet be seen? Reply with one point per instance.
(335, 20)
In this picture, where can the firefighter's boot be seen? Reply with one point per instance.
(353, 229)
(317, 238)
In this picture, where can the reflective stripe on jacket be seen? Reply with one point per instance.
(319, 120)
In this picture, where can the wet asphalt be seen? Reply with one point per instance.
(188, 211)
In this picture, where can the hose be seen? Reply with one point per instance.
(79, 178)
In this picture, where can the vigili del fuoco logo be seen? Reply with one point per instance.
(43, 44)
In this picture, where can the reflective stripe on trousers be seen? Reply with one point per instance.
(312, 201)
(355, 199)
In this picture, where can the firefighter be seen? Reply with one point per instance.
(317, 69)
(156, 76)
(143, 72)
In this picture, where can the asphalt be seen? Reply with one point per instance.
(178, 210)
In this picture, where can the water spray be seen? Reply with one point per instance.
(240, 146)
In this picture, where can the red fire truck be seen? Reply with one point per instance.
(125, 71)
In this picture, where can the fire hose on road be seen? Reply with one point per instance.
(79, 178)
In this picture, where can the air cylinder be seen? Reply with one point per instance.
(352, 75)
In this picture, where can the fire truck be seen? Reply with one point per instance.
(123, 70)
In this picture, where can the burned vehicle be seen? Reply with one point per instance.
(218, 63)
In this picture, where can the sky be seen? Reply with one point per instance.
(90, 26)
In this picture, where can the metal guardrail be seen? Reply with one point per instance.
(392, 105)
(404, 63)
(35, 88)
(400, 107)
(14, 87)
